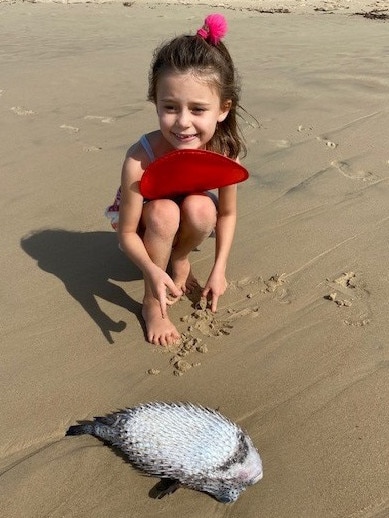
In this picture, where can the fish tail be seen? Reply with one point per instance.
(96, 428)
(81, 429)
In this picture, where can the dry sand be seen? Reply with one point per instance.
(298, 352)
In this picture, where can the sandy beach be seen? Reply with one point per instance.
(297, 353)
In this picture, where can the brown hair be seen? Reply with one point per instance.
(213, 63)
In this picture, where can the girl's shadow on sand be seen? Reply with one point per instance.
(86, 262)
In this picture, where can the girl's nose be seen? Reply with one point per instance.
(183, 119)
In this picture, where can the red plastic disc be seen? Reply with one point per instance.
(189, 171)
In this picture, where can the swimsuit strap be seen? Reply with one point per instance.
(146, 145)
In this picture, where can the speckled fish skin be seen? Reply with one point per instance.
(195, 445)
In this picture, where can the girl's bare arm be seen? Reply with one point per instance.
(225, 229)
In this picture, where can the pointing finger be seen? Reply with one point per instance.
(215, 299)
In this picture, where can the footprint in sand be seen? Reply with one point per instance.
(348, 291)
(104, 120)
(282, 143)
(70, 129)
(1, 92)
(19, 110)
(302, 129)
(346, 170)
(327, 142)
(88, 149)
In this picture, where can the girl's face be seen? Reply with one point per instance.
(188, 109)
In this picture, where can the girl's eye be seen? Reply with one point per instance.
(198, 110)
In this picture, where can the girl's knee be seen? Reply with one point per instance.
(199, 211)
(161, 216)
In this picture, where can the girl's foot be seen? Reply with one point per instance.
(160, 331)
(183, 277)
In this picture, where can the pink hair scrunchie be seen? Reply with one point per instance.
(214, 28)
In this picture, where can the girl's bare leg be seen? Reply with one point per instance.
(198, 219)
(161, 220)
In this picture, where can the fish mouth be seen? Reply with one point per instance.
(257, 478)
(225, 499)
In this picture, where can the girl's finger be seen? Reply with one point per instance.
(176, 292)
(162, 304)
(172, 300)
(215, 299)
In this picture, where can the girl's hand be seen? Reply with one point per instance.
(160, 281)
(215, 287)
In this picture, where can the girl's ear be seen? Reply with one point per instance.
(224, 110)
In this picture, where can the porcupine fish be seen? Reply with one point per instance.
(188, 444)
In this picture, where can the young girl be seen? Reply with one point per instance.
(193, 84)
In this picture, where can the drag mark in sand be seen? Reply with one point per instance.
(322, 254)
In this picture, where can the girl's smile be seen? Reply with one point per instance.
(185, 138)
(189, 109)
